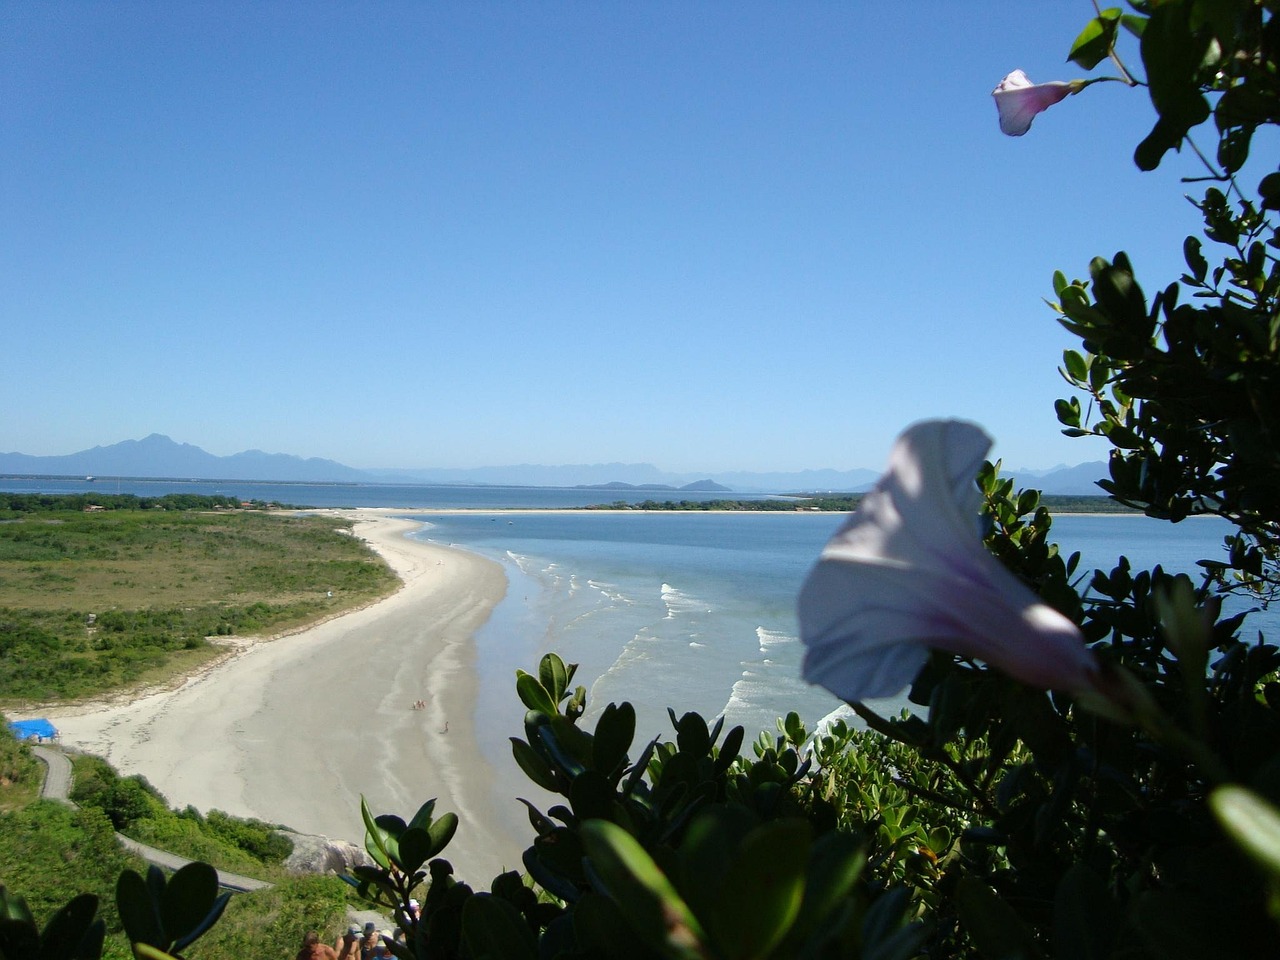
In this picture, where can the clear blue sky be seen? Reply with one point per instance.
(707, 236)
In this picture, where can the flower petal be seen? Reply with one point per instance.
(1018, 100)
(908, 571)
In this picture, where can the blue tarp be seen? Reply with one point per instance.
(30, 729)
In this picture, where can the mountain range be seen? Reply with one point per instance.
(158, 456)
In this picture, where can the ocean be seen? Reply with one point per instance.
(692, 611)
(687, 611)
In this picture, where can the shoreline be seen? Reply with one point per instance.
(295, 729)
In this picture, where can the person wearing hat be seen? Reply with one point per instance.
(348, 945)
(369, 940)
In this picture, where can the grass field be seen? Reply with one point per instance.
(90, 602)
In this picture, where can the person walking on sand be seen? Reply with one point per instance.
(313, 949)
(369, 941)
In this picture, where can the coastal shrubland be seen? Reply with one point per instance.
(136, 809)
(91, 602)
(50, 849)
(20, 771)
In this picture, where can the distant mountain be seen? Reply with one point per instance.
(158, 456)
(1078, 481)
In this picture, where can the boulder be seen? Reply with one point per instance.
(315, 854)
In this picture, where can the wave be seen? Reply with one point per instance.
(610, 591)
(773, 638)
(678, 602)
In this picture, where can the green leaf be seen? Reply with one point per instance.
(144, 951)
(1076, 365)
(768, 876)
(614, 733)
(422, 819)
(642, 892)
(494, 930)
(553, 676)
(137, 910)
(219, 905)
(69, 931)
(534, 695)
(1096, 40)
(534, 767)
(692, 735)
(189, 896)
(992, 925)
(375, 838)
(1085, 918)
(729, 750)
(1252, 823)
(1269, 190)
(1196, 262)
(415, 848)
(442, 831)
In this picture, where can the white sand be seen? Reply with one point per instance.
(293, 731)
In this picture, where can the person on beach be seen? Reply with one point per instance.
(348, 945)
(313, 949)
(369, 941)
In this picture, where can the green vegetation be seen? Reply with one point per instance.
(272, 922)
(49, 850)
(20, 772)
(95, 601)
(136, 809)
(16, 504)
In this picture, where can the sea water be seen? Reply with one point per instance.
(696, 611)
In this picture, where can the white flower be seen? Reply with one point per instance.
(1018, 100)
(909, 571)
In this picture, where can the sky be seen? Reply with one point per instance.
(708, 236)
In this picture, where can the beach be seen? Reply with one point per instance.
(295, 730)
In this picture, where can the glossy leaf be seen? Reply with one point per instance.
(422, 819)
(442, 831)
(1086, 920)
(72, 933)
(553, 676)
(1096, 40)
(1252, 823)
(768, 874)
(188, 898)
(493, 929)
(992, 925)
(614, 732)
(645, 896)
(533, 694)
(137, 910)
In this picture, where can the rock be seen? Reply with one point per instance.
(315, 854)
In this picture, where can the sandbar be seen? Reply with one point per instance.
(294, 731)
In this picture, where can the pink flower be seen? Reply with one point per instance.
(909, 571)
(1019, 100)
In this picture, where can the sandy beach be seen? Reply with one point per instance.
(296, 729)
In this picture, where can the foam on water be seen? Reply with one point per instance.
(679, 602)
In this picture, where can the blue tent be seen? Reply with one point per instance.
(30, 729)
